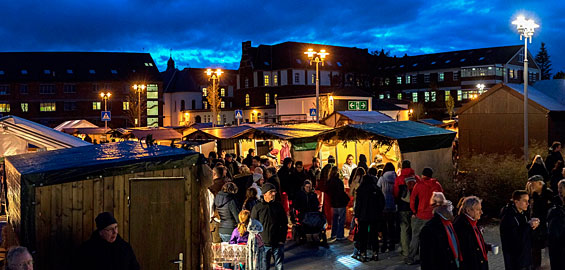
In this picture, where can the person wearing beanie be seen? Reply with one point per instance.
(106, 249)
(422, 209)
(271, 214)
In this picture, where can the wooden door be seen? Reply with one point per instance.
(157, 221)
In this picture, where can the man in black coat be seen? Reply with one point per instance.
(470, 237)
(297, 177)
(541, 200)
(272, 178)
(272, 216)
(369, 205)
(439, 245)
(306, 200)
(106, 249)
(516, 232)
(556, 231)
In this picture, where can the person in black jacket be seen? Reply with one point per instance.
(272, 178)
(298, 177)
(537, 167)
(440, 248)
(314, 172)
(231, 165)
(541, 200)
(556, 231)
(470, 237)
(228, 210)
(106, 249)
(554, 155)
(338, 200)
(306, 200)
(369, 205)
(248, 160)
(555, 176)
(285, 176)
(272, 216)
(516, 232)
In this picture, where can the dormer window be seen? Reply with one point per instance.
(266, 63)
(434, 62)
(47, 71)
(339, 64)
(24, 71)
(114, 71)
(482, 58)
(92, 71)
(1, 72)
(69, 71)
(447, 61)
(462, 60)
(299, 61)
(415, 64)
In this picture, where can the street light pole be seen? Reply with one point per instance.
(139, 88)
(318, 59)
(526, 29)
(105, 96)
(214, 76)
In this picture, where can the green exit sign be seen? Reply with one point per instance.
(357, 105)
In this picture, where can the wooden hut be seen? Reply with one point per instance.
(152, 191)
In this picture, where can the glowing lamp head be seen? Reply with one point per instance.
(310, 53)
(323, 54)
(209, 72)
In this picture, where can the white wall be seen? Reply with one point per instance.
(173, 115)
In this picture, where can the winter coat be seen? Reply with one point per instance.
(421, 195)
(314, 176)
(538, 169)
(296, 183)
(242, 181)
(285, 177)
(338, 197)
(386, 183)
(248, 161)
(516, 238)
(435, 249)
(401, 189)
(97, 253)
(539, 208)
(236, 238)
(306, 202)
(551, 159)
(250, 204)
(273, 218)
(228, 210)
(473, 258)
(369, 201)
(277, 183)
(556, 236)
(232, 167)
(255, 246)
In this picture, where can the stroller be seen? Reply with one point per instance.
(310, 227)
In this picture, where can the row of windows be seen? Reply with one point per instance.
(413, 79)
(51, 106)
(222, 92)
(431, 96)
(67, 89)
(267, 99)
(69, 71)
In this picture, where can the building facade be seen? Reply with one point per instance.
(52, 87)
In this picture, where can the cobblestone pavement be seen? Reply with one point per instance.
(338, 256)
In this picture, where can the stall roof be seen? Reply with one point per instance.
(431, 121)
(156, 133)
(366, 116)
(75, 124)
(86, 130)
(220, 133)
(38, 134)
(403, 129)
(295, 131)
(79, 163)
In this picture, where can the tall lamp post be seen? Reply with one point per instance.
(139, 88)
(215, 77)
(105, 96)
(526, 29)
(319, 58)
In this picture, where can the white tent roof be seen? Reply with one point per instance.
(75, 124)
(37, 134)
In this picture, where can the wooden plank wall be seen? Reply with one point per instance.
(65, 215)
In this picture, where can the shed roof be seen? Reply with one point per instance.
(365, 116)
(403, 129)
(295, 131)
(156, 133)
(79, 123)
(79, 163)
(222, 133)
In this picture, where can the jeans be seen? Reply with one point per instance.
(417, 225)
(389, 229)
(338, 222)
(277, 253)
(405, 231)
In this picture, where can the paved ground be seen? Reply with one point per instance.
(338, 256)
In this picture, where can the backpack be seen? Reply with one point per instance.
(405, 193)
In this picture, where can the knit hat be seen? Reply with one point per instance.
(104, 219)
(535, 178)
(267, 187)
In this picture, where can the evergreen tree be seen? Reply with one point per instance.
(559, 75)
(542, 59)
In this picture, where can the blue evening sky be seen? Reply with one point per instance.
(209, 33)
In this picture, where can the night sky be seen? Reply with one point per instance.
(209, 33)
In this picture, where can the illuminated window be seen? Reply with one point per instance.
(415, 97)
(381, 96)
(398, 79)
(204, 92)
(433, 96)
(4, 107)
(125, 106)
(313, 78)
(511, 72)
(441, 76)
(222, 104)
(447, 94)
(267, 80)
(296, 77)
(407, 79)
(47, 107)
(247, 100)
(387, 81)
(222, 92)
(205, 105)
(275, 79)
(275, 99)
(267, 99)
(459, 95)
(152, 91)
(25, 107)
(426, 96)
(96, 105)
(399, 96)
(388, 95)
(218, 119)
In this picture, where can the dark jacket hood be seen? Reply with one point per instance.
(222, 199)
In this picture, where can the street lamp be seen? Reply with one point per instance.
(526, 29)
(105, 96)
(215, 77)
(320, 56)
(481, 88)
(139, 88)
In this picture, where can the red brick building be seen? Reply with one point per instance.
(52, 87)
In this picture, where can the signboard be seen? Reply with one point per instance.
(238, 114)
(357, 105)
(106, 116)
(312, 112)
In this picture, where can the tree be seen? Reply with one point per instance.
(450, 104)
(132, 110)
(214, 100)
(544, 63)
(559, 75)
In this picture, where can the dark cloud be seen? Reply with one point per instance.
(209, 33)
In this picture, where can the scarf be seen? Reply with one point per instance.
(478, 236)
(453, 241)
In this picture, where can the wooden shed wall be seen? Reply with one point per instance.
(65, 213)
(495, 125)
